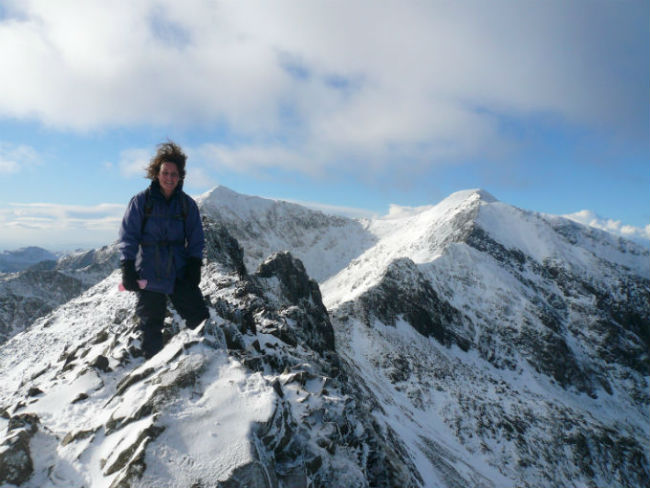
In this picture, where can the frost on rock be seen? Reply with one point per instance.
(302, 303)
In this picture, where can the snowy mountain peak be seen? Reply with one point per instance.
(223, 200)
(457, 200)
(224, 196)
(472, 195)
(263, 227)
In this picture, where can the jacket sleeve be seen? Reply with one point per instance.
(194, 230)
(130, 230)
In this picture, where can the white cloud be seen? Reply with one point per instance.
(59, 227)
(198, 178)
(134, 162)
(8, 166)
(311, 84)
(587, 217)
(251, 157)
(14, 158)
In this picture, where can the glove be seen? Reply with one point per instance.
(193, 271)
(129, 275)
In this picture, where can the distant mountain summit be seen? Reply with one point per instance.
(467, 343)
(23, 258)
(324, 243)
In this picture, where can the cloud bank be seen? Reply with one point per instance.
(59, 227)
(321, 85)
(587, 217)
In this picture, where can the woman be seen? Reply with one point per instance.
(161, 243)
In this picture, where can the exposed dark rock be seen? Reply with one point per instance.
(620, 332)
(72, 437)
(301, 301)
(404, 293)
(127, 452)
(16, 465)
(480, 240)
(80, 398)
(25, 421)
(222, 248)
(33, 391)
(101, 363)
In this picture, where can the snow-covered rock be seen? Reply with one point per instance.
(518, 339)
(495, 323)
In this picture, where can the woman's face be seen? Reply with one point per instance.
(168, 178)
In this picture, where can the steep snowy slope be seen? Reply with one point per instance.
(425, 234)
(90, 267)
(30, 294)
(521, 337)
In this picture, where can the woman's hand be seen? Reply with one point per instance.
(129, 275)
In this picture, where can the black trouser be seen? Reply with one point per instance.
(151, 307)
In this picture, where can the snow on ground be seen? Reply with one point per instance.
(207, 436)
(445, 461)
(535, 235)
(203, 434)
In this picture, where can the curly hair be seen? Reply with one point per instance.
(168, 152)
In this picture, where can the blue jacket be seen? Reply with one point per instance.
(161, 248)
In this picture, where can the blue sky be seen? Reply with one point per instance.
(354, 104)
